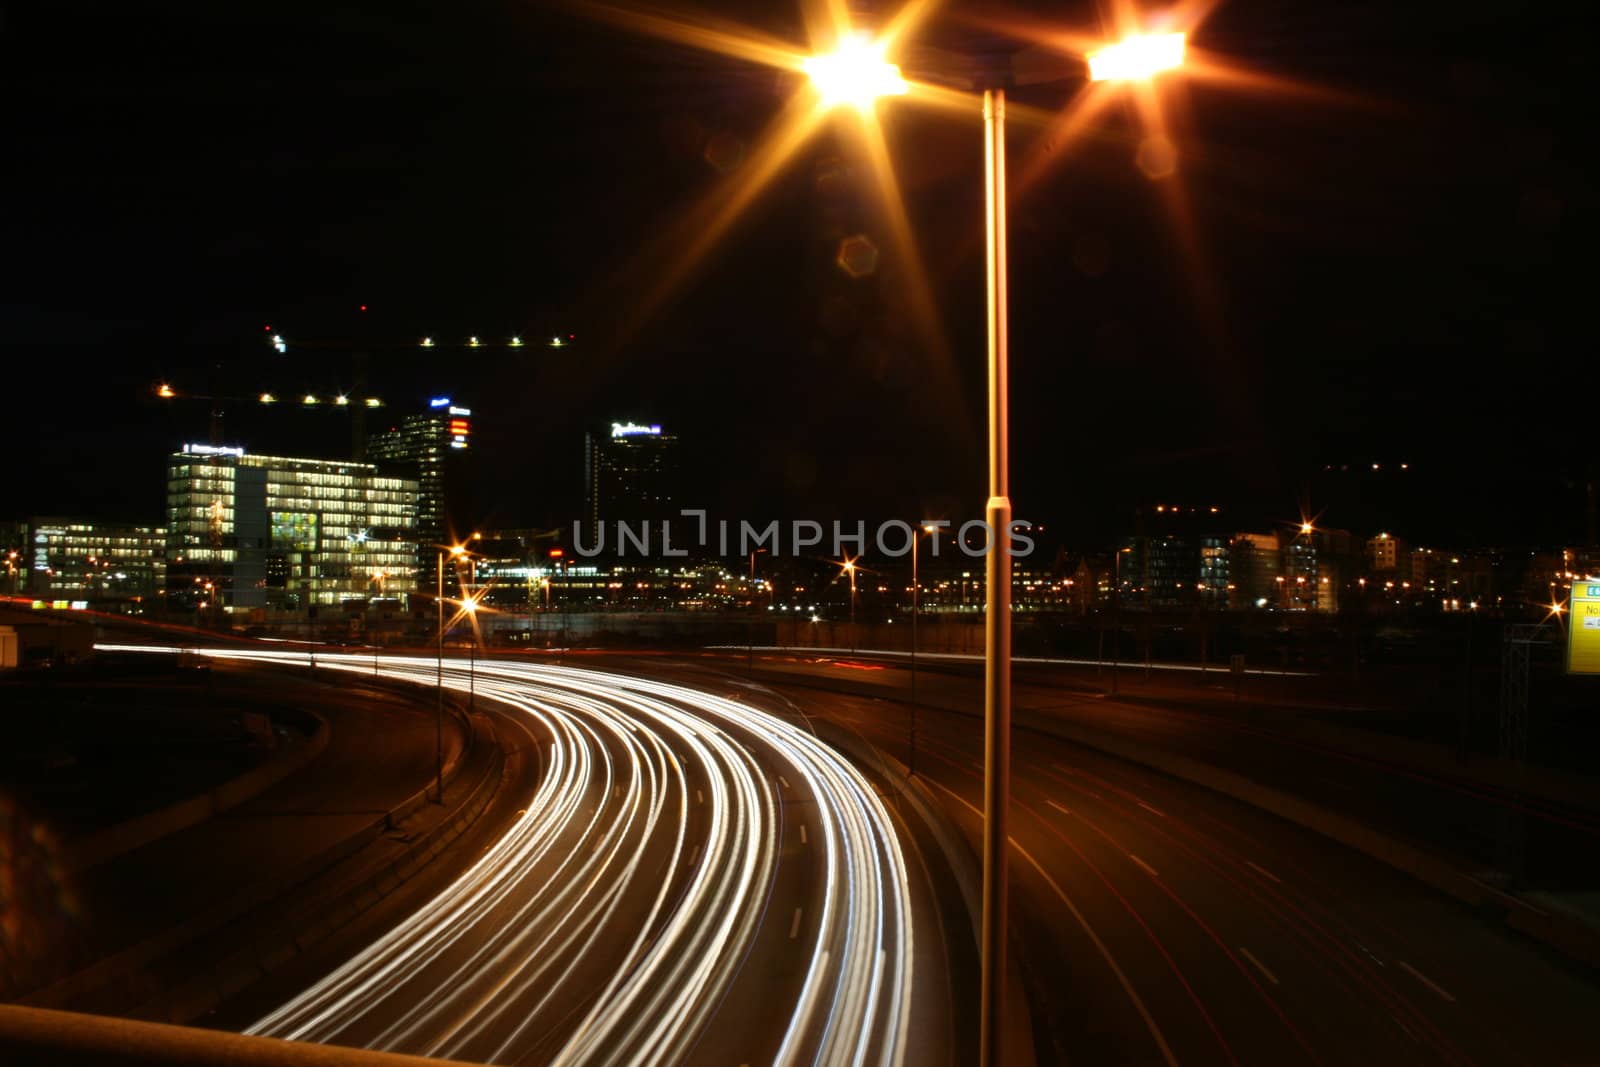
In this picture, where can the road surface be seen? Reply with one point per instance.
(693, 880)
(1161, 923)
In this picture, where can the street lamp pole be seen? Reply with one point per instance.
(911, 757)
(438, 717)
(859, 75)
(850, 569)
(1116, 620)
(997, 608)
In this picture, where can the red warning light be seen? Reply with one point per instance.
(363, 307)
(556, 553)
(268, 329)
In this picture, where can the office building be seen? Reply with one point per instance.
(87, 559)
(248, 531)
(1177, 558)
(630, 475)
(431, 447)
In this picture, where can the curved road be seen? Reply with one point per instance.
(694, 879)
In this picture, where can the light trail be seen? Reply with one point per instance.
(612, 921)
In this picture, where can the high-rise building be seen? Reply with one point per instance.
(432, 447)
(630, 473)
(86, 559)
(250, 531)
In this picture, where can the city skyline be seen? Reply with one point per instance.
(1360, 321)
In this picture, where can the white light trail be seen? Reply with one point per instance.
(502, 965)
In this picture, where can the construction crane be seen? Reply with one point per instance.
(338, 402)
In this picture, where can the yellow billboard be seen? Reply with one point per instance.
(1583, 628)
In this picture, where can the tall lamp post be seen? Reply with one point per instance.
(455, 552)
(857, 74)
(469, 604)
(911, 757)
(850, 569)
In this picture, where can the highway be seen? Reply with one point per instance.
(692, 880)
(1276, 741)
(1161, 923)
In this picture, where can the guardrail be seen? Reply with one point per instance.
(38, 1035)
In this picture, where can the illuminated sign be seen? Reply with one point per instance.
(460, 411)
(439, 402)
(213, 450)
(1583, 628)
(632, 429)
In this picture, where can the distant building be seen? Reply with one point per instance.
(1582, 562)
(1216, 572)
(1387, 556)
(432, 447)
(1317, 563)
(14, 553)
(1255, 563)
(248, 531)
(630, 474)
(1178, 558)
(88, 559)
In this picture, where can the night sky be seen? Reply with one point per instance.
(1384, 272)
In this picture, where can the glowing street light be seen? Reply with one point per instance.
(1137, 58)
(856, 73)
(165, 391)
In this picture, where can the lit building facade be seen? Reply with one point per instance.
(85, 559)
(1387, 555)
(248, 531)
(630, 474)
(431, 447)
